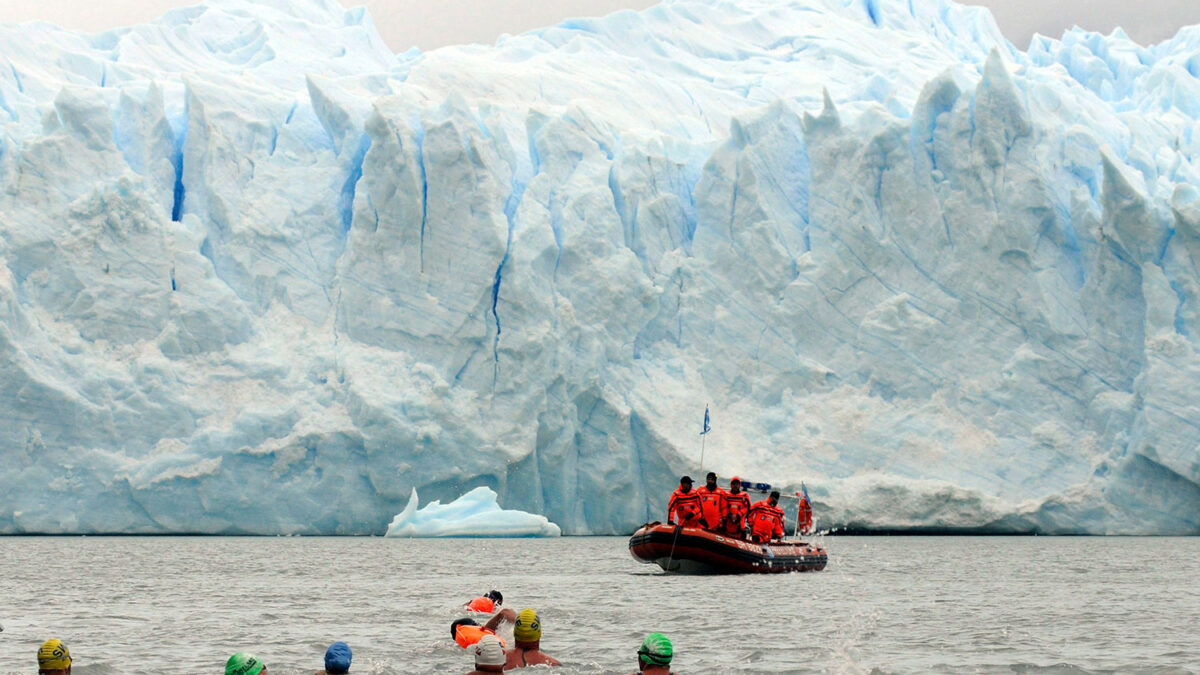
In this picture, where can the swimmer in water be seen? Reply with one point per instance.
(244, 663)
(654, 656)
(527, 632)
(54, 658)
(337, 659)
(486, 603)
(489, 656)
(467, 632)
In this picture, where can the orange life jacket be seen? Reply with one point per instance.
(712, 506)
(766, 521)
(736, 508)
(684, 506)
(481, 604)
(466, 636)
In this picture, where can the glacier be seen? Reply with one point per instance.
(475, 514)
(259, 274)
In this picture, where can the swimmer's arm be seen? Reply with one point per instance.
(501, 616)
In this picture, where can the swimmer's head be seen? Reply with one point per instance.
(54, 655)
(244, 663)
(489, 651)
(656, 650)
(337, 658)
(528, 627)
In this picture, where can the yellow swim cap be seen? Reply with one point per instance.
(528, 627)
(54, 655)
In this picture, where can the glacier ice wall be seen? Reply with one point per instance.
(259, 274)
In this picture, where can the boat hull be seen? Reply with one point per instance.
(693, 550)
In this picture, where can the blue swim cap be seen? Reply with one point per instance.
(337, 658)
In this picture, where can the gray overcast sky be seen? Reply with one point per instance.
(433, 23)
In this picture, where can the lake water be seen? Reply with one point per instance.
(884, 604)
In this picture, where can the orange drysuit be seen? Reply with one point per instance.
(684, 507)
(737, 505)
(766, 521)
(804, 517)
(712, 506)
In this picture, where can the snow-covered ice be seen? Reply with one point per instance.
(259, 274)
(475, 514)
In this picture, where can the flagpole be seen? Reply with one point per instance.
(703, 437)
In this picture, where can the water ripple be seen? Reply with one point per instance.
(885, 605)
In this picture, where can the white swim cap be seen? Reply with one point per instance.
(489, 651)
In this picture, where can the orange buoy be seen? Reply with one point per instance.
(481, 604)
(466, 636)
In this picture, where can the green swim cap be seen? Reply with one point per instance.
(656, 650)
(244, 663)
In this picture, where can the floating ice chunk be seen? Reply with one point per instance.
(475, 514)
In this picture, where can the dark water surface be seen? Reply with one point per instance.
(884, 604)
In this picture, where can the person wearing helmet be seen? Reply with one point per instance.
(712, 504)
(527, 633)
(487, 603)
(684, 504)
(245, 663)
(54, 658)
(737, 505)
(766, 519)
(654, 656)
(489, 656)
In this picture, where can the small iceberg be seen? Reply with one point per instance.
(475, 514)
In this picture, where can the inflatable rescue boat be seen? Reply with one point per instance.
(694, 550)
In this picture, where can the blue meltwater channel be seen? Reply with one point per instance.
(133, 605)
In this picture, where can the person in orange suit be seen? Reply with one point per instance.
(712, 504)
(766, 519)
(684, 505)
(737, 506)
